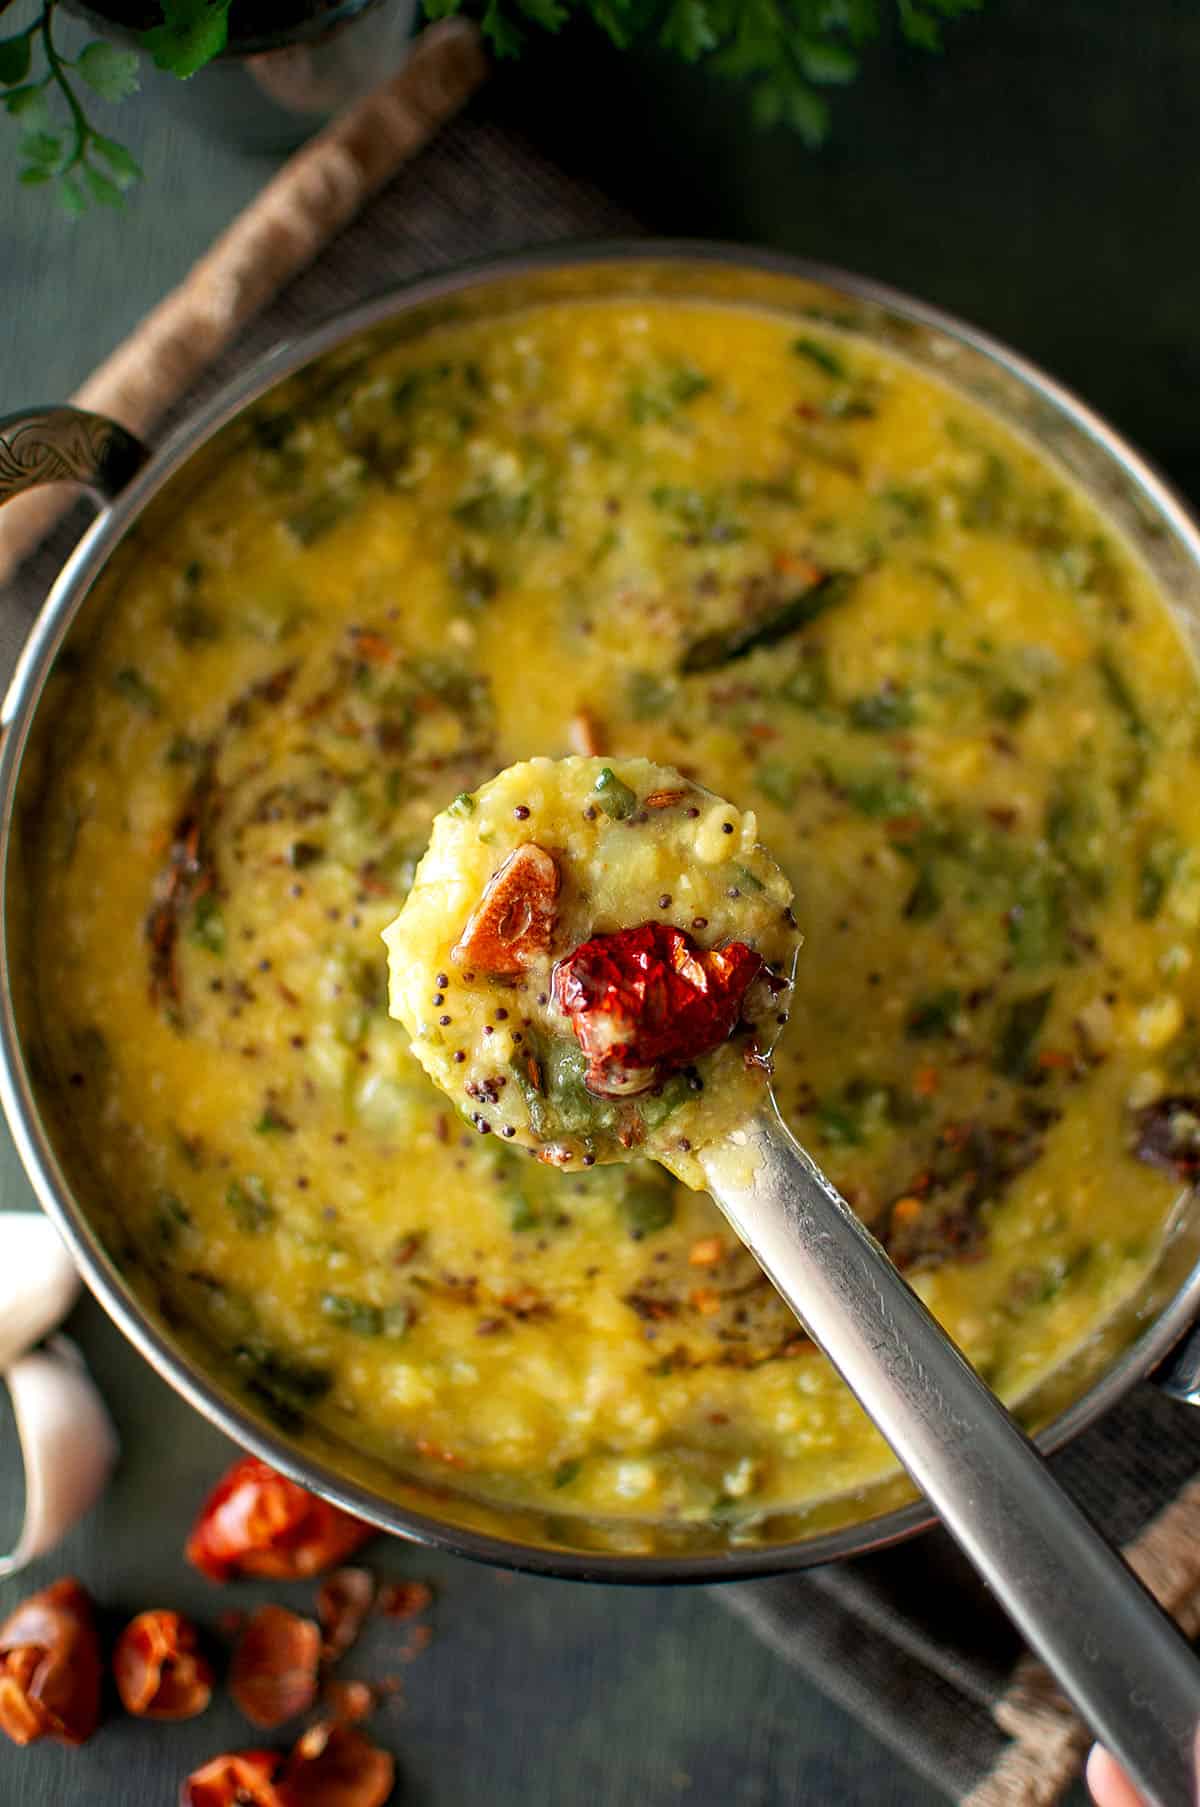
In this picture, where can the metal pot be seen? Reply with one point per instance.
(141, 492)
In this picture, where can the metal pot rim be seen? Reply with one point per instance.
(16, 716)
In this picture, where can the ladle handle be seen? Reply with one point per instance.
(1121, 1660)
(66, 445)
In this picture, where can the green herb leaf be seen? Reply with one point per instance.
(16, 55)
(192, 33)
(109, 72)
(101, 187)
(122, 164)
(42, 149)
(27, 103)
(688, 30)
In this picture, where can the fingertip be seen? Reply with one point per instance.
(1107, 1782)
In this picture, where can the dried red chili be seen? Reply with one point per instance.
(646, 1001)
(273, 1676)
(257, 1522)
(343, 1601)
(50, 1670)
(336, 1766)
(513, 922)
(159, 1668)
(237, 1779)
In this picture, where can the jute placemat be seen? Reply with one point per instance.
(909, 1641)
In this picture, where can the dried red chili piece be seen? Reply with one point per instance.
(343, 1601)
(160, 1670)
(349, 1702)
(273, 1676)
(644, 1002)
(50, 1668)
(238, 1779)
(405, 1599)
(257, 1522)
(513, 922)
(336, 1766)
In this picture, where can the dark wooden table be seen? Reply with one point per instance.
(1041, 182)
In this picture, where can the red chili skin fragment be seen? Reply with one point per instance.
(405, 1599)
(159, 1668)
(50, 1669)
(238, 1779)
(257, 1522)
(273, 1676)
(513, 922)
(645, 1002)
(343, 1601)
(337, 1767)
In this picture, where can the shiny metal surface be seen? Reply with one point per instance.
(1121, 1660)
(37, 703)
(66, 445)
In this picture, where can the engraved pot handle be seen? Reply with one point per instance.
(66, 445)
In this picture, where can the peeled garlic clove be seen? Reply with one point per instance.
(68, 1446)
(38, 1282)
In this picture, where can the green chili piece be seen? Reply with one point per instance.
(615, 799)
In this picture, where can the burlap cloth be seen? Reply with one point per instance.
(909, 1641)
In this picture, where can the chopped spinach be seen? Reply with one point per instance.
(933, 1015)
(1019, 1029)
(825, 360)
(250, 1204)
(884, 710)
(659, 396)
(129, 683)
(362, 1319)
(1160, 862)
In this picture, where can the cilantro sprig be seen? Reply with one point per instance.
(47, 94)
(40, 90)
(788, 52)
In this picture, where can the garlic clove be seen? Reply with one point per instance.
(68, 1446)
(38, 1282)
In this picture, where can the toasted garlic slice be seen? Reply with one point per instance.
(38, 1282)
(68, 1446)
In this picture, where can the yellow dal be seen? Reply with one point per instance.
(977, 766)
